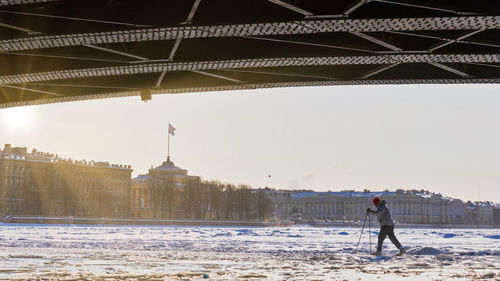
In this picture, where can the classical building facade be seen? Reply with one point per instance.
(39, 183)
(153, 195)
(405, 206)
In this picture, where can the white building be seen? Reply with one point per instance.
(349, 205)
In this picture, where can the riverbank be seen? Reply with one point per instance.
(110, 221)
(128, 221)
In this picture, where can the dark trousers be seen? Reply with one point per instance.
(387, 230)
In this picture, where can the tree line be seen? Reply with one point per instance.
(210, 200)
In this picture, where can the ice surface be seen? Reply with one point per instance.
(228, 253)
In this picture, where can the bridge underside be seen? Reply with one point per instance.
(65, 50)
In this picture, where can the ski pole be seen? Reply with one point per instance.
(370, 233)
(361, 233)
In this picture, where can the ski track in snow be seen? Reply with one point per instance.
(75, 252)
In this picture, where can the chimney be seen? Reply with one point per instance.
(7, 148)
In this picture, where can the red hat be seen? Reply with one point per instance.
(376, 200)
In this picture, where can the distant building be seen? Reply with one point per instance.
(40, 183)
(496, 215)
(152, 194)
(485, 212)
(349, 205)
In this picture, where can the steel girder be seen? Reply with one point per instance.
(258, 29)
(243, 64)
(62, 50)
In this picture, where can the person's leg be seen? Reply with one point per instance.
(393, 237)
(381, 237)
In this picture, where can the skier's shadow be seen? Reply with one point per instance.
(372, 258)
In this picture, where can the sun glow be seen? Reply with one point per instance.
(16, 116)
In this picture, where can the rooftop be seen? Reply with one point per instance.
(21, 154)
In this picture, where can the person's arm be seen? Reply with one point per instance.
(377, 212)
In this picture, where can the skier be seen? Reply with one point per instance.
(386, 226)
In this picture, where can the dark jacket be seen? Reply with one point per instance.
(383, 214)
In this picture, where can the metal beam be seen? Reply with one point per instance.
(63, 57)
(235, 87)
(82, 86)
(250, 63)
(258, 29)
(31, 32)
(456, 40)
(484, 64)
(376, 41)
(22, 29)
(178, 41)
(193, 10)
(21, 2)
(116, 52)
(444, 39)
(355, 6)
(292, 7)
(73, 18)
(217, 76)
(280, 74)
(160, 79)
(308, 44)
(32, 90)
(452, 70)
(378, 70)
(174, 48)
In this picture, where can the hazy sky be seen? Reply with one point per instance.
(443, 138)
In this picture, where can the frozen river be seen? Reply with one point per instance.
(228, 253)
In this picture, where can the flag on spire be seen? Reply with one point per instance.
(171, 129)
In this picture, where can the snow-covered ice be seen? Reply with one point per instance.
(71, 252)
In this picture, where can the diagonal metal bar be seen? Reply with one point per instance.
(160, 79)
(72, 18)
(31, 32)
(420, 35)
(376, 41)
(174, 48)
(355, 6)
(62, 57)
(456, 40)
(178, 41)
(116, 52)
(452, 70)
(444, 39)
(259, 29)
(32, 90)
(21, 2)
(292, 7)
(378, 70)
(424, 7)
(484, 64)
(249, 63)
(479, 43)
(280, 74)
(217, 76)
(308, 44)
(82, 86)
(193, 10)
(22, 29)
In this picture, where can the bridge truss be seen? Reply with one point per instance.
(66, 50)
